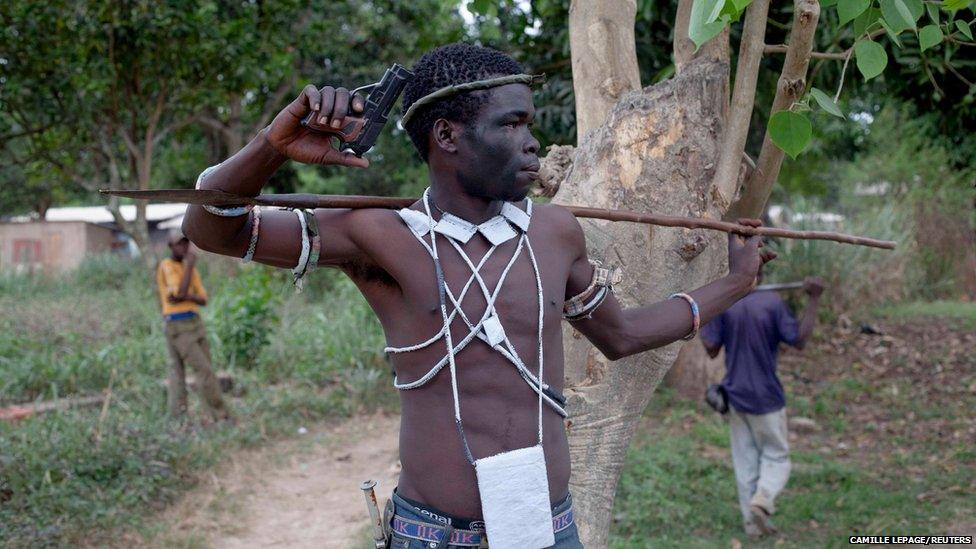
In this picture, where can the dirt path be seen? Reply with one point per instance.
(298, 493)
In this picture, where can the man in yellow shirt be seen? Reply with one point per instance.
(181, 294)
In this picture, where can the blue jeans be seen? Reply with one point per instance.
(567, 538)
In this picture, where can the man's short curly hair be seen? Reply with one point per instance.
(447, 66)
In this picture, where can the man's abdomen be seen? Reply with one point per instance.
(499, 413)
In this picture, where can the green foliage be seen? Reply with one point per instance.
(963, 311)
(678, 489)
(790, 131)
(930, 36)
(244, 313)
(921, 202)
(706, 21)
(871, 58)
(901, 15)
(850, 9)
(855, 275)
(964, 28)
(70, 478)
(826, 103)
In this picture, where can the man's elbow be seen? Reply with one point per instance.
(197, 235)
(613, 349)
(619, 348)
(613, 353)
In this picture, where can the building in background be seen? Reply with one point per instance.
(66, 236)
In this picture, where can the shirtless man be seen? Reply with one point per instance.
(482, 161)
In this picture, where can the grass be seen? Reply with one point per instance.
(76, 477)
(678, 490)
(893, 453)
(960, 310)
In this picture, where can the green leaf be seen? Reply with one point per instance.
(871, 58)
(964, 28)
(714, 11)
(827, 3)
(849, 9)
(929, 36)
(916, 8)
(892, 35)
(897, 14)
(933, 11)
(742, 4)
(790, 131)
(825, 102)
(866, 20)
(954, 5)
(731, 12)
(699, 29)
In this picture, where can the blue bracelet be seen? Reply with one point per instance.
(696, 316)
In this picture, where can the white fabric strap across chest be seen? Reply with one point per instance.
(489, 327)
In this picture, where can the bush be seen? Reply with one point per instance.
(855, 275)
(243, 314)
(109, 271)
(75, 478)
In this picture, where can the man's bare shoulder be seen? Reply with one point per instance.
(369, 222)
(561, 222)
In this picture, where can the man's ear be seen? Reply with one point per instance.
(444, 135)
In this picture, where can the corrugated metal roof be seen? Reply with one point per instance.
(100, 214)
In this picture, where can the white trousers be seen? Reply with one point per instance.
(760, 457)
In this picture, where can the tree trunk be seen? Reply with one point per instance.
(604, 54)
(656, 152)
(693, 371)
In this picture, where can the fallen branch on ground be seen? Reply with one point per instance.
(21, 411)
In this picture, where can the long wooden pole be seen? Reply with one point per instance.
(221, 198)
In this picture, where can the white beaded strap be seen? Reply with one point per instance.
(440, 333)
(447, 332)
(233, 211)
(255, 228)
(306, 248)
(505, 347)
(464, 342)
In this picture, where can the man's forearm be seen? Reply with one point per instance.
(248, 170)
(188, 264)
(245, 173)
(656, 325)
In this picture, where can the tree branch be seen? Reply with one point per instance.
(173, 127)
(782, 48)
(684, 49)
(725, 180)
(273, 104)
(790, 87)
(836, 56)
(211, 122)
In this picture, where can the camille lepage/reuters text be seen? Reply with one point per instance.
(911, 540)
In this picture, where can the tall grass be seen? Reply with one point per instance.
(856, 276)
(75, 476)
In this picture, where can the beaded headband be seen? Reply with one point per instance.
(528, 79)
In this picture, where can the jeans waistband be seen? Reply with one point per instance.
(186, 315)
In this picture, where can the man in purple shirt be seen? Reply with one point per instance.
(751, 331)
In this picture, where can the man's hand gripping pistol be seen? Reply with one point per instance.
(360, 134)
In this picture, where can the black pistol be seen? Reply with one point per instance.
(360, 134)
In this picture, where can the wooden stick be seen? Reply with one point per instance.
(221, 198)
